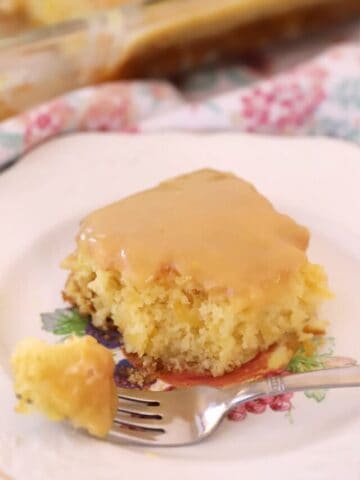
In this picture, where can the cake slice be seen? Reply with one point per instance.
(201, 275)
(71, 380)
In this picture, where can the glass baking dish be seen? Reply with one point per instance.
(149, 39)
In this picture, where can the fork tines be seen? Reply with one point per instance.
(138, 412)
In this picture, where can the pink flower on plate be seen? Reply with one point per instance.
(336, 362)
(238, 413)
(46, 121)
(255, 406)
(279, 403)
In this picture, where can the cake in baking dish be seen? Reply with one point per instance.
(199, 274)
(51, 11)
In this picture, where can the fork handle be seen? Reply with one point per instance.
(327, 378)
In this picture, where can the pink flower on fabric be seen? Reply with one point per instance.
(280, 106)
(162, 91)
(110, 109)
(46, 121)
(313, 70)
(105, 116)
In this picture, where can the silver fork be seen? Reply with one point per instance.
(185, 416)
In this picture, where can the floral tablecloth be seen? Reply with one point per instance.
(320, 96)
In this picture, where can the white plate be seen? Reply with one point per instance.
(42, 200)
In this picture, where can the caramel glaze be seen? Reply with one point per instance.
(208, 225)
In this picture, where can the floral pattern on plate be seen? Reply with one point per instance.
(317, 355)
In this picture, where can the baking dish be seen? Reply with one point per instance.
(150, 39)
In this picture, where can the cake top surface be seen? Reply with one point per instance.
(209, 225)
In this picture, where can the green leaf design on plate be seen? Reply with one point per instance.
(317, 395)
(66, 321)
(289, 415)
(302, 362)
